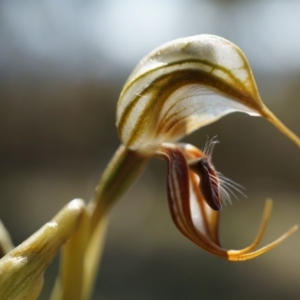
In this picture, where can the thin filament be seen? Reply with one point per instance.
(235, 255)
(243, 254)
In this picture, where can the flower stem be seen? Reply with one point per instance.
(84, 250)
(121, 172)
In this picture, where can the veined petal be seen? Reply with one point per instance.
(183, 85)
(191, 215)
(190, 212)
(210, 216)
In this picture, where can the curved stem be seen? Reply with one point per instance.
(123, 169)
(275, 121)
(85, 249)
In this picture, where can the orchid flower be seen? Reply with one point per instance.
(176, 89)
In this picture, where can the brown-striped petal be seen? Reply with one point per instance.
(183, 85)
(190, 213)
(193, 216)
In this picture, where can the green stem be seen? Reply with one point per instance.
(82, 253)
(121, 172)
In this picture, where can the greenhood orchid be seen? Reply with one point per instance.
(179, 87)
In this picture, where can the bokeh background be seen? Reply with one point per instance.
(62, 67)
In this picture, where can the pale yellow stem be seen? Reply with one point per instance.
(121, 172)
(279, 125)
(93, 257)
(70, 283)
(81, 255)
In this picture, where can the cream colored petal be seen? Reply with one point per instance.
(23, 267)
(183, 85)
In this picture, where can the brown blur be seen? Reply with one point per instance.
(57, 135)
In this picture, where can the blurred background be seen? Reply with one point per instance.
(62, 67)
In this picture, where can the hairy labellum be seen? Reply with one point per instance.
(209, 183)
